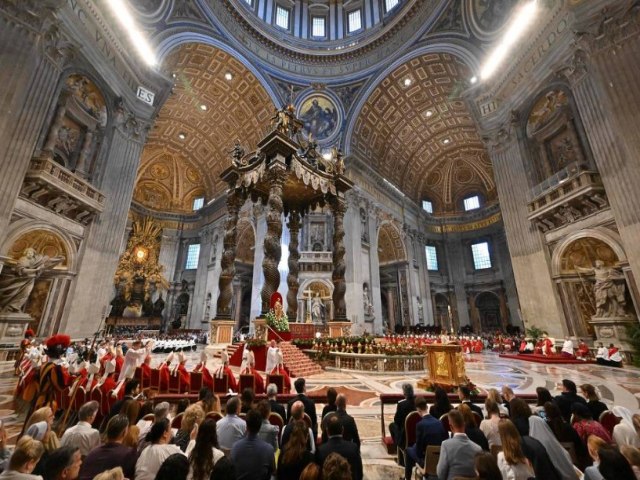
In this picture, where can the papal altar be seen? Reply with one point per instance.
(445, 367)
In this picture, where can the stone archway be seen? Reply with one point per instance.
(394, 277)
(574, 254)
(47, 300)
(310, 289)
(489, 311)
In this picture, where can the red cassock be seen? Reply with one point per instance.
(185, 379)
(233, 383)
(477, 346)
(285, 377)
(538, 348)
(106, 358)
(119, 364)
(258, 381)
(164, 377)
(612, 350)
(583, 350)
(146, 373)
(547, 346)
(207, 378)
(106, 388)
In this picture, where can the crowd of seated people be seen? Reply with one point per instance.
(566, 437)
(247, 439)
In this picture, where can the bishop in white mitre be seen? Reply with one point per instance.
(272, 356)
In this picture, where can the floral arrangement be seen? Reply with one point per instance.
(304, 342)
(279, 324)
(256, 342)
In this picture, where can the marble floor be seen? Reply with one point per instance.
(616, 386)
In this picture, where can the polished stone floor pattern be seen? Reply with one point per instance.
(487, 370)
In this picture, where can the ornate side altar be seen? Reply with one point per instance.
(289, 175)
(445, 366)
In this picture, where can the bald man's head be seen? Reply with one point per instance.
(297, 410)
(341, 401)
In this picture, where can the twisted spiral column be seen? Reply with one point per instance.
(294, 257)
(339, 266)
(272, 249)
(227, 263)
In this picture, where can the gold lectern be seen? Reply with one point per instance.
(446, 367)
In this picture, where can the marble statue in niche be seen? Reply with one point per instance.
(364, 222)
(366, 302)
(318, 309)
(609, 289)
(17, 283)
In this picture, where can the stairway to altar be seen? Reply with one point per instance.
(298, 364)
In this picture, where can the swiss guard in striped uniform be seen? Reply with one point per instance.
(53, 377)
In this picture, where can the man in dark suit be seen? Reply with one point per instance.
(339, 445)
(458, 454)
(272, 395)
(131, 390)
(464, 394)
(309, 405)
(404, 408)
(568, 397)
(349, 427)
(429, 431)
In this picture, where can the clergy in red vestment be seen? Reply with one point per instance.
(119, 360)
(207, 378)
(164, 373)
(478, 346)
(583, 350)
(224, 368)
(547, 346)
(185, 376)
(145, 368)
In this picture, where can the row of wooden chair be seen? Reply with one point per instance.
(220, 384)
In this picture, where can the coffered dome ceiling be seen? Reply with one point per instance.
(417, 132)
(198, 125)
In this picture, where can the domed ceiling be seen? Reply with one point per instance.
(215, 102)
(417, 132)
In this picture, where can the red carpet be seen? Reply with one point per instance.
(542, 359)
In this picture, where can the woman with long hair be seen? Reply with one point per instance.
(24, 459)
(613, 465)
(157, 452)
(131, 409)
(441, 404)
(494, 395)
(50, 441)
(471, 428)
(566, 434)
(247, 399)
(205, 457)
(489, 426)
(336, 467)
(588, 391)
(511, 460)
(295, 456)
(544, 396)
(487, 467)
(208, 400)
(632, 454)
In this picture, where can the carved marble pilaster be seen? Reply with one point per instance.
(294, 257)
(272, 249)
(339, 208)
(225, 284)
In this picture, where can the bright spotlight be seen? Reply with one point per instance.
(122, 14)
(518, 25)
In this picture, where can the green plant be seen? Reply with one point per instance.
(633, 332)
(279, 324)
(256, 342)
(535, 333)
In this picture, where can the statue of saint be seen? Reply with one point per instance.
(368, 307)
(609, 289)
(317, 309)
(278, 310)
(16, 286)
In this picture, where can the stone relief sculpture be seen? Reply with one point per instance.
(16, 286)
(364, 222)
(609, 290)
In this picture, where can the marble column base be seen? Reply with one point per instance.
(339, 329)
(12, 327)
(614, 330)
(221, 332)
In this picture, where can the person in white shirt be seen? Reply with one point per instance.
(160, 412)
(272, 357)
(83, 436)
(602, 354)
(157, 452)
(511, 461)
(567, 347)
(133, 359)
